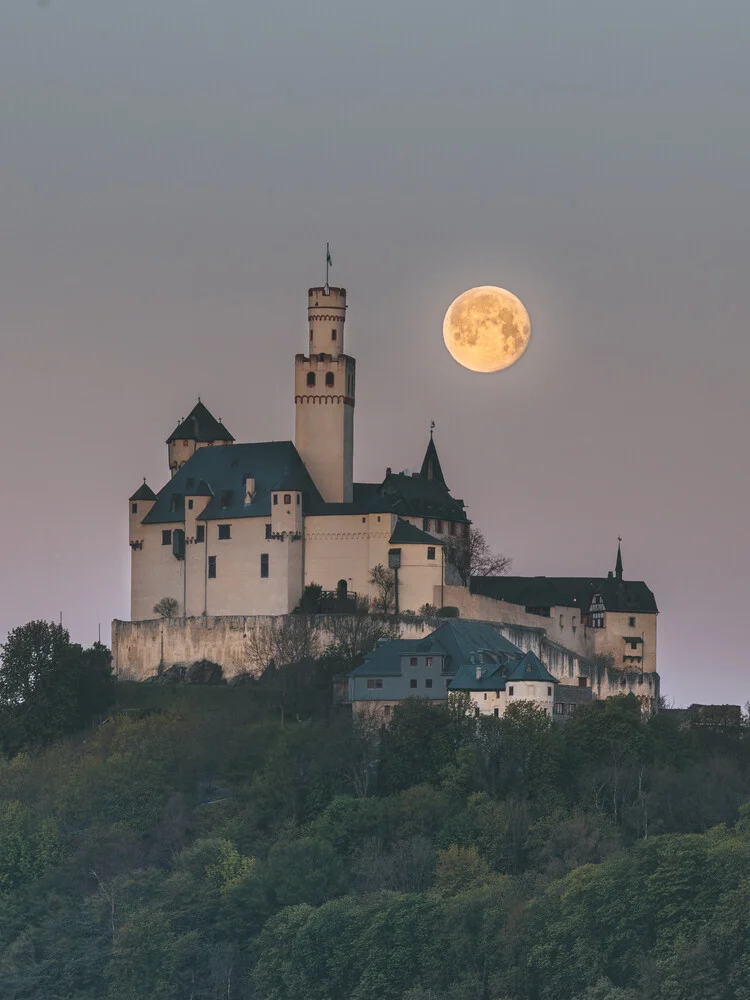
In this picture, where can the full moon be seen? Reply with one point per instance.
(486, 329)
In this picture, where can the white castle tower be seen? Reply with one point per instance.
(324, 397)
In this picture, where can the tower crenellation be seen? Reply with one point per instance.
(324, 388)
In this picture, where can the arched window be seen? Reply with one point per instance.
(329, 378)
(287, 498)
(311, 378)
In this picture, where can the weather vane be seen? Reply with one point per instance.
(432, 427)
(329, 262)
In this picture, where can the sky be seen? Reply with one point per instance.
(170, 172)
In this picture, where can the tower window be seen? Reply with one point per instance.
(631, 622)
(439, 527)
(430, 551)
(510, 691)
(190, 504)
(166, 537)
(268, 531)
(333, 334)
(298, 499)
(287, 498)
(321, 357)
(549, 692)
(225, 532)
(426, 524)
(134, 508)
(212, 567)
(453, 528)
(329, 378)
(311, 378)
(200, 532)
(264, 565)
(275, 498)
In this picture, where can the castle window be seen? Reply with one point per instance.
(321, 357)
(226, 499)
(287, 498)
(311, 378)
(166, 537)
(374, 683)
(510, 691)
(634, 645)
(413, 682)
(212, 567)
(439, 527)
(452, 528)
(329, 378)
(200, 532)
(268, 531)
(428, 682)
(190, 504)
(333, 334)
(496, 712)
(264, 565)
(428, 661)
(466, 531)
(561, 622)
(298, 499)
(174, 501)
(134, 508)
(631, 622)
(430, 551)
(225, 532)
(184, 444)
(412, 661)
(582, 682)
(426, 524)
(275, 498)
(549, 692)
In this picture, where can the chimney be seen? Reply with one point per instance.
(388, 471)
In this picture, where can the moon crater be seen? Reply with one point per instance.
(486, 329)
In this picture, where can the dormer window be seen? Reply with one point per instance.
(174, 502)
(225, 499)
(287, 498)
(311, 378)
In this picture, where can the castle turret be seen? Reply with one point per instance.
(324, 397)
(199, 429)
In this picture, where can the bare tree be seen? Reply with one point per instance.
(354, 636)
(285, 640)
(470, 555)
(384, 582)
(166, 607)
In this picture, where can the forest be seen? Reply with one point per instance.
(197, 842)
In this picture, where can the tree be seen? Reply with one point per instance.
(470, 555)
(284, 640)
(49, 686)
(384, 582)
(354, 636)
(166, 607)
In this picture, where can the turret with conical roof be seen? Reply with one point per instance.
(618, 562)
(199, 429)
(431, 465)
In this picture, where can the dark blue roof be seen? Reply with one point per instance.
(222, 469)
(144, 492)
(406, 533)
(200, 425)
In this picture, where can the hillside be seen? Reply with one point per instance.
(193, 846)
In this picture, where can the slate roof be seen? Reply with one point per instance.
(401, 494)
(567, 592)
(200, 425)
(220, 471)
(406, 533)
(144, 492)
(495, 676)
(458, 641)
(431, 468)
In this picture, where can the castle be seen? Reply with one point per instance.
(240, 530)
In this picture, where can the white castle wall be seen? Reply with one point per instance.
(140, 649)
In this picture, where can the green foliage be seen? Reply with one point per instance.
(202, 847)
(49, 686)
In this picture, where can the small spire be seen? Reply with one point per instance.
(618, 563)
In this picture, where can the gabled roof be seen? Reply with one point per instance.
(221, 471)
(567, 592)
(200, 425)
(431, 465)
(406, 533)
(408, 496)
(531, 668)
(144, 492)
(385, 660)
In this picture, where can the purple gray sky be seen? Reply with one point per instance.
(171, 171)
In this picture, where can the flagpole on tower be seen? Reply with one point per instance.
(329, 262)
